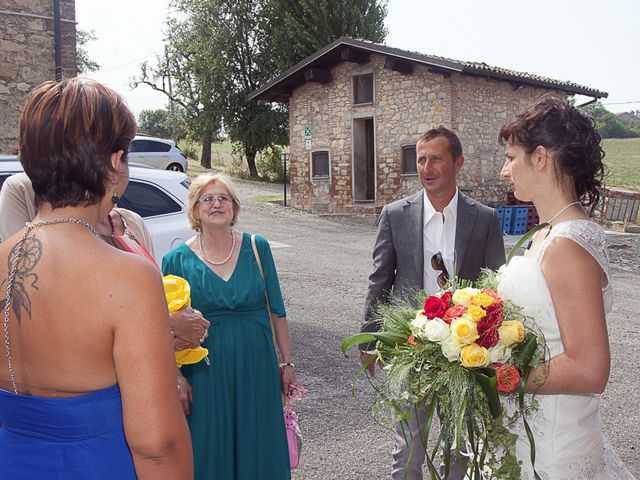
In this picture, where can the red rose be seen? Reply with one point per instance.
(488, 326)
(507, 378)
(489, 336)
(493, 315)
(447, 296)
(453, 312)
(434, 307)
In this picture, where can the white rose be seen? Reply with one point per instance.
(436, 330)
(451, 350)
(500, 353)
(419, 323)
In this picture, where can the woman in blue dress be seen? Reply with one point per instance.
(236, 421)
(87, 375)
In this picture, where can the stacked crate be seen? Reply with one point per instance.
(504, 215)
(517, 220)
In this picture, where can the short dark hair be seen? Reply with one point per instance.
(68, 131)
(570, 135)
(455, 147)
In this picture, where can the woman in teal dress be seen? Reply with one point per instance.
(236, 421)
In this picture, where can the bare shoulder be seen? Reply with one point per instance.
(134, 272)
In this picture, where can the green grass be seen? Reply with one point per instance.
(266, 198)
(623, 159)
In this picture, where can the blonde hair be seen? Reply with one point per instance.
(195, 190)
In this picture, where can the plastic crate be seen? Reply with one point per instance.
(519, 220)
(506, 220)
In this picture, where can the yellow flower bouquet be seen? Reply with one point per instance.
(177, 291)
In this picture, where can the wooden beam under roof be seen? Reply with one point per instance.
(440, 71)
(318, 75)
(352, 55)
(398, 65)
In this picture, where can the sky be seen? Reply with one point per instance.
(589, 42)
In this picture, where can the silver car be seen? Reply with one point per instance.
(158, 196)
(158, 153)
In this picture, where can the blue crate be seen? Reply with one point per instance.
(518, 228)
(500, 212)
(519, 221)
(506, 220)
(520, 213)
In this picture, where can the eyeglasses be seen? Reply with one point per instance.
(437, 263)
(211, 199)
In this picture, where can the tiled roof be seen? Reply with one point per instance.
(328, 56)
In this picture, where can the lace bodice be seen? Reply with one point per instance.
(590, 236)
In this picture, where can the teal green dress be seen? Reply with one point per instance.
(236, 422)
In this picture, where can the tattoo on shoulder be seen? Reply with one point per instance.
(27, 254)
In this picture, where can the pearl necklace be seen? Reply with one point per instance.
(233, 246)
(562, 211)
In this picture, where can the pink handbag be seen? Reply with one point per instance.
(294, 435)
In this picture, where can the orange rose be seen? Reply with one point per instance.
(453, 312)
(507, 378)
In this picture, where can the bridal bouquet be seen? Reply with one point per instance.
(177, 291)
(460, 350)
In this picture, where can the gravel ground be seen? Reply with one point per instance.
(323, 263)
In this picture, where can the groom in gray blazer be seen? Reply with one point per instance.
(411, 232)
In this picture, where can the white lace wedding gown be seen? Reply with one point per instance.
(569, 440)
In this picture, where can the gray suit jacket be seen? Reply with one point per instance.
(398, 254)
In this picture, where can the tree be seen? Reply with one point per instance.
(84, 63)
(302, 27)
(156, 123)
(185, 76)
(219, 51)
(259, 39)
(241, 38)
(609, 124)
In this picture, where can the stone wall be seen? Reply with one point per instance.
(404, 107)
(27, 56)
(481, 108)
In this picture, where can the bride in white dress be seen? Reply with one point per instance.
(554, 159)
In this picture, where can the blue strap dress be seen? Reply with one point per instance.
(236, 422)
(64, 438)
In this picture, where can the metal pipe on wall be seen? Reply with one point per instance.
(57, 28)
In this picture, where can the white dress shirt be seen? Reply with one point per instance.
(438, 235)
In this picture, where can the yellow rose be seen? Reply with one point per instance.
(474, 356)
(476, 313)
(177, 292)
(463, 296)
(464, 331)
(483, 300)
(511, 332)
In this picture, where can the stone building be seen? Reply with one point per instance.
(37, 43)
(356, 109)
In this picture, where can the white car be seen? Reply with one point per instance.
(158, 153)
(158, 196)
